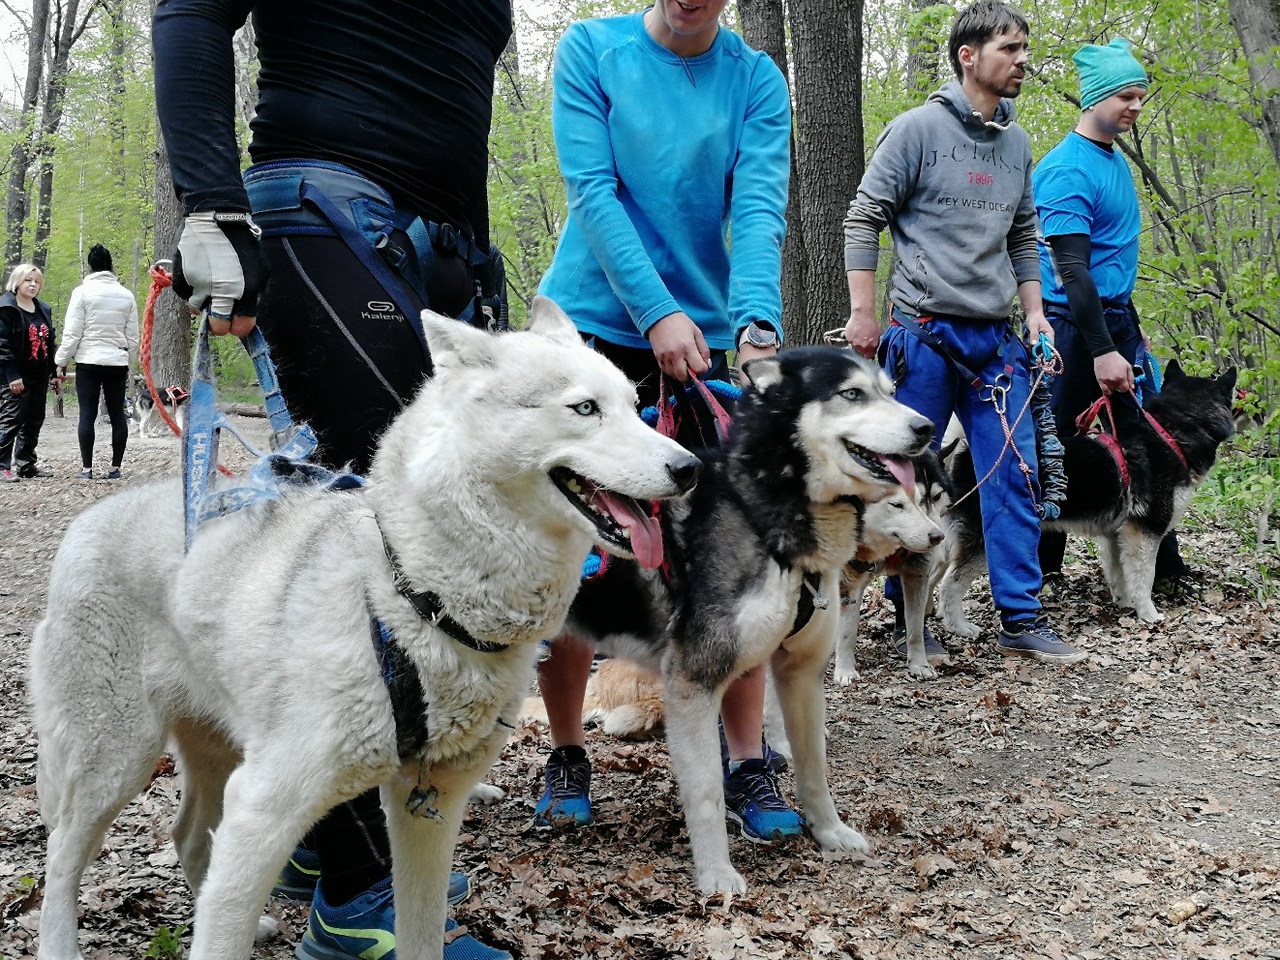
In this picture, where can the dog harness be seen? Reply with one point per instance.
(1085, 424)
(431, 608)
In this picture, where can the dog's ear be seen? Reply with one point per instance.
(1227, 383)
(546, 318)
(1174, 371)
(453, 341)
(763, 372)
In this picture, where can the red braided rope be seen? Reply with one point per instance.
(160, 279)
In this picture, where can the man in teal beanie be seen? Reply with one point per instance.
(1090, 220)
(1105, 71)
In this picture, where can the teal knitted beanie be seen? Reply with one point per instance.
(1105, 71)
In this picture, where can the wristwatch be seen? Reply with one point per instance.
(758, 334)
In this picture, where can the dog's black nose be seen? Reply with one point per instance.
(922, 427)
(685, 472)
(936, 538)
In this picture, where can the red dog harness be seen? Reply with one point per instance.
(1085, 424)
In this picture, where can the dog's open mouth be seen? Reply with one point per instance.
(898, 470)
(621, 521)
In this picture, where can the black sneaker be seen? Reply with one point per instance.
(567, 800)
(1034, 639)
(1183, 585)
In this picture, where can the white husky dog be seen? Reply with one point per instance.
(258, 663)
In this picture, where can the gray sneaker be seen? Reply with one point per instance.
(934, 652)
(1035, 640)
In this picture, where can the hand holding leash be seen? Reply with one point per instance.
(218, 267)
(1114, 373)
(679, 347)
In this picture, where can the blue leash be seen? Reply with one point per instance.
(293, 443)
(721, 387)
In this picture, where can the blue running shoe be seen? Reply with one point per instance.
(364, 929)
(299, 877)
(753, 801)
(567, 800)
(1034, 639)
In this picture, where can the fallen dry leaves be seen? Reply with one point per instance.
(1123, 808)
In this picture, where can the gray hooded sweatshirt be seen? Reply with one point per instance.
(955, 192)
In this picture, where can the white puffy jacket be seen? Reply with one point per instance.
(101, 325)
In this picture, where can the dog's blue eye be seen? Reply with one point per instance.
(586, 408)
(853, 394)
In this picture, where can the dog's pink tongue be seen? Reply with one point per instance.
(903, 470)
(646, 532)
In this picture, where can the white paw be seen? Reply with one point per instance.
(721, 879)
(840, 837)
(486, 794)
(921, 671)
(1148, 613)
(267, 929)
(962, 628)
(844, 677)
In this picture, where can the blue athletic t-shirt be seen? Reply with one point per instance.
(1081, 187)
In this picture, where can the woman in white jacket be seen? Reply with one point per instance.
(100, 335)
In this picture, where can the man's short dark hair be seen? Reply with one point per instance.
(99, 258)
(978, 23)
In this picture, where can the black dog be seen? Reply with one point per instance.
(1127, 490)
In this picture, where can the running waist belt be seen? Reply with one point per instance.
(320, 198)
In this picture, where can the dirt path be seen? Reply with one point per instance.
(1129, 807)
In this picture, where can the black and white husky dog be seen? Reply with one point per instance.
(815, 437)
(1127, 494)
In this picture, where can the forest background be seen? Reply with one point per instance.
(83, 162)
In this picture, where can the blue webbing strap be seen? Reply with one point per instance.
(200, 439)
(288, 464)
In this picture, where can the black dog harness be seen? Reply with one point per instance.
(399, 675)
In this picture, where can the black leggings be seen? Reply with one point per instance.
(92, 381)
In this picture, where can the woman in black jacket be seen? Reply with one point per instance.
(26, 366)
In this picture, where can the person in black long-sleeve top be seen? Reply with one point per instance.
(26, 365)
(368, 188)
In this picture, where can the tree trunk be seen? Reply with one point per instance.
(67, 33)
(827, 50)
(764, 28)
(1257, 23)
(171, 332)
(20, 157)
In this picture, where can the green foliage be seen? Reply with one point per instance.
(104, 164)
(1242, 493)
(166, 943)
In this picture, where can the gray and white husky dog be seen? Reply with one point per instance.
(1128, 515)
(754, 556)
(902, 536)
(270, 660)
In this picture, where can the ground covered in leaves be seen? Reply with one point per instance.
(1127, 807)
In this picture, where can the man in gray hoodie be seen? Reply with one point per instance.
(951, 179)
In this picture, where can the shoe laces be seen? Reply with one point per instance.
(759, 784)
(567, 778)
(1038, 629)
